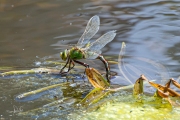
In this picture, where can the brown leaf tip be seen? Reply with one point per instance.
(143, 77)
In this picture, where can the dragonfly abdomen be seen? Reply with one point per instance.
(76, 53)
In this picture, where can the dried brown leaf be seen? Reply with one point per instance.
(96, 79)
(167, 85)
(165, 89)
(175, 83)
(162, 94)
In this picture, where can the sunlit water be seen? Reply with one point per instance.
(32, 32)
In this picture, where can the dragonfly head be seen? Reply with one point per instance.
(64, 54)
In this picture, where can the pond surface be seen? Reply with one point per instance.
(32, 32)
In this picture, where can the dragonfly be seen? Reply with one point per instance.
(88, 49)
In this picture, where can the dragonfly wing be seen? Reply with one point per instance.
(91, 29)
(92, 54)
(102, 41)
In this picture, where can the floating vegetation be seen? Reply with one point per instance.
(57, 97)
(5, 68)
(32, 71)
(126, 105)
(22, 96)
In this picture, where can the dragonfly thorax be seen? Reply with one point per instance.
(76, 53)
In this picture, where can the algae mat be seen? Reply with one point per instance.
(123, 106)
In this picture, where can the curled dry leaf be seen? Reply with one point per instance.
(96, 79)
(162, 94)
(165, 89)
(175, 83)
(167, 85)
(166, 97)
(138, 86)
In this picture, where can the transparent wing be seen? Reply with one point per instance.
(92, 54)
(102, 41)
(91, 29)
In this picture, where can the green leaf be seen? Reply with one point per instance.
(94, 96)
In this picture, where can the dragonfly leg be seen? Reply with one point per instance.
(71, 62)
(69, 68)
(108, 74)
(64, 66)
(81, 63)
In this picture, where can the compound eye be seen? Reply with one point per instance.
(61, 54)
